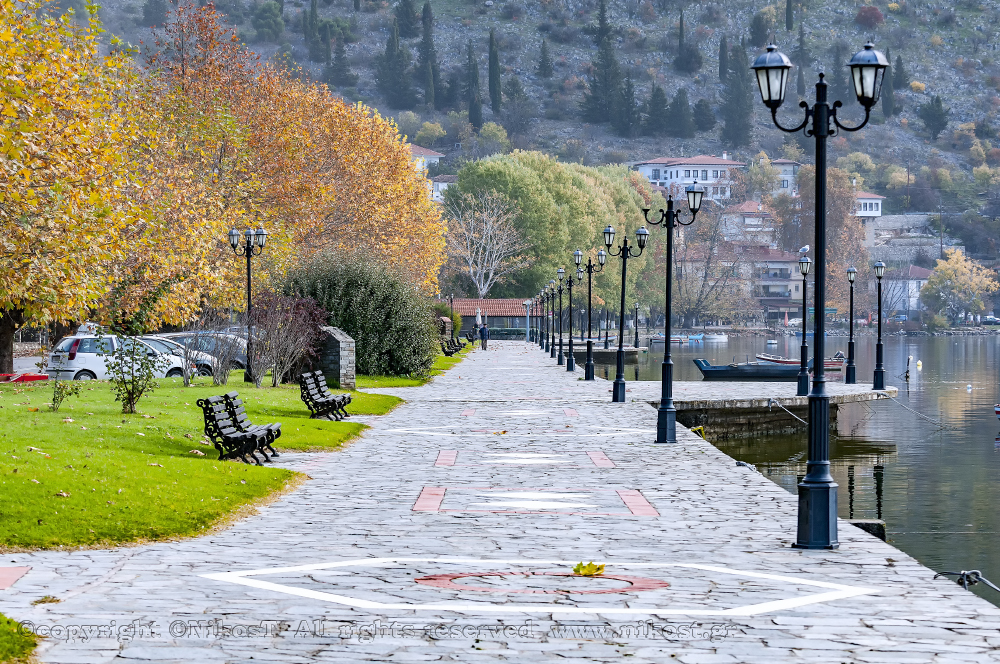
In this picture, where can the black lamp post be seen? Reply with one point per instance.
(539, 317)
(850, 372)
(625, 251)
(552, 318)
(878, 383)
(817, 527)
(591, 269)
(562, 275)
(583, 312)
(607, 327)
(804, 265)
(253, 244)
(451, 308)
(666, 414)
(570, 360)
(635, 343)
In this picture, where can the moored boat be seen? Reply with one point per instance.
(835, 363)
(748, 371)
(716, 338)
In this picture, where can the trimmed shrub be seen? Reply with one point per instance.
(391, 323)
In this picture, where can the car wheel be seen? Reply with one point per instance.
(84, 375)
(204, 370)
(236, 365)
(175, 373)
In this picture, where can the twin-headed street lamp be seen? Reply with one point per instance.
(817, 528)
(552, 318)
(591, 269)
(666, 414)
(626, 251)
(850, 371)
(570, 360)
(540, 318)
(878, 382)
(803, 383)
(253, 244)
(561, 273)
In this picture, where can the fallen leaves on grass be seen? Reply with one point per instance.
(36, 481)
(158, 465)
(63, 494)
(197, 452)
(67, 420)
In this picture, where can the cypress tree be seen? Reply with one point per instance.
(788, 15)
(838, 82)
(392, 75)
(800, 82)
(326, 37)
(544, 62)
(802, 56)
(888, 97)
(339, 72)
(680, 33)
(453, 91)
(657, 115)
(737, 101)
(704, 118)
(472, 93)
(357, 5)
(625, 119)
(900, 77)
(428, 62)
(934, 116)
(681, 118)
(602, 88)
(723, 59)
(406, 17)
(688, 57)
(494, 75)
(604, 29)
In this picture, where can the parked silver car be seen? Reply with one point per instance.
(203, 362)
(85, 357)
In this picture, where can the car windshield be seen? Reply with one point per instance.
(64, 344)
(160, 345)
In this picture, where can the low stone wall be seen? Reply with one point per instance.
(336, 358)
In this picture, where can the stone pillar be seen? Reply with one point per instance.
(445, 325)
(335, 359)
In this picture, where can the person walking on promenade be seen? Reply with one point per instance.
(484, 335)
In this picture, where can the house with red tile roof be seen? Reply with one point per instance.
(676, 173)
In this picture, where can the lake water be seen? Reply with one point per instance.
(936, 487)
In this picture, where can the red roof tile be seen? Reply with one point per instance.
(490, 307)
(418, 151)
(746, 207)
(865, 194)
(700, 160)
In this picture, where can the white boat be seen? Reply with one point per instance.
(716, 338)
(772, 342)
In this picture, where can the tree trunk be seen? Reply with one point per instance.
(10, 321)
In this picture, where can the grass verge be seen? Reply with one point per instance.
(441, 364)
(90, 476)
(15, 646)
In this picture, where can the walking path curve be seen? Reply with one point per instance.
(449, 533)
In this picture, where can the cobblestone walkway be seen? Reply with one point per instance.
(449, 533)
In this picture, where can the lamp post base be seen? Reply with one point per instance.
(803, 390)
(817, 516)
(618, 390)
(588, 369)
(878, 383)
(570, 360)
(552, 349)
(851, 375)
(666, 423)
(560, 360)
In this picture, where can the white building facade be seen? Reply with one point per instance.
(676, 173)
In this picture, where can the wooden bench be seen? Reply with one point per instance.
(447, 353)
(455, 345)
(230, 441)
(318, 398)
(238, 414)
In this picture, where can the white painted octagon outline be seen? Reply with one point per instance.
(835, 590)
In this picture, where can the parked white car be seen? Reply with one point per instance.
(204, 363)
(85, 357)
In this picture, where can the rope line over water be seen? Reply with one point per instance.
(777, 403)
(921, 415)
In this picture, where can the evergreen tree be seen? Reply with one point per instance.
(934, 116)
(723, 59)
(680, 33)
(900, 77)
(840, 87)
(704, 118)
(626, 119)
(888, 97)
(327, 45)
(357, 5)
(688, 58)
(800, 81)
(657, 114)
(803, 57)
(737, 101)
(760, 30)
(392, 72)
(681, 118)
(427, 61)
(339, 72)
(602, 88)
(494, 75)
(473, 95)
(519, 111)
(406, 18)
(453, 91)
(604, 29)
(544, 62)
(788, 15)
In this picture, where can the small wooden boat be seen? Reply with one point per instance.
(835, 363)
(678, 339)
(748, 371)
(772, 342)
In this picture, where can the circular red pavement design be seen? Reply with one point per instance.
(636, 583)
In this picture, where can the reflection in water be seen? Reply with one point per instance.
(936, 487)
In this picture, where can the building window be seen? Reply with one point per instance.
(722, 191)
(715, 174)
(715, 191)
(656, 174)
(704, 175)
(784, 184)
(687, 173)
(877, 206)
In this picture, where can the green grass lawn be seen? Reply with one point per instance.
(441, 364)
(15, 647)
(89, 475)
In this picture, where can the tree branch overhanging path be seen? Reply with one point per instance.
(483, 238)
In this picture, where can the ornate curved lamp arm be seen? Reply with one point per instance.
(618, 252)
(662, 220)
(677, 218)
(833, 115)
(805, 122)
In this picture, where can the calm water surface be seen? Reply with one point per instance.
(937, 488)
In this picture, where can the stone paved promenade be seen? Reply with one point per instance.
(449, 531)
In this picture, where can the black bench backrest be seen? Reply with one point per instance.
(218, 422)
(236, 409)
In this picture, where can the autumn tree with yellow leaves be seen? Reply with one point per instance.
(958, 286)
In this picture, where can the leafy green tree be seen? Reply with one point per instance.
(406, 19)
(900, 77)
(544, 69)
(681, 118)
(602, 88)
(737, 101)
(656, 119)
(934, 115)
(392, 73)
(494, 75)
(704, 117)
(723, 59)
(760, 30)
(473, 95)
(626, 120)
(339, 72)
(267, 22)
(427, 62)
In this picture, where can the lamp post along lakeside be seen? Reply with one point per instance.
(625, 251)
(570, 360)
(562, 275)
(817, 523)
(850, 371)
(591, 269)
(803, 383)
(253, 244)
(670, 219)
(878, 380)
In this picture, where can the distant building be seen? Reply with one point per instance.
(868, 206)
(748, 223)
(439, 184)
(423, 157)
(776, 282)
(787, 172)
(676, 173)
(495, 312)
